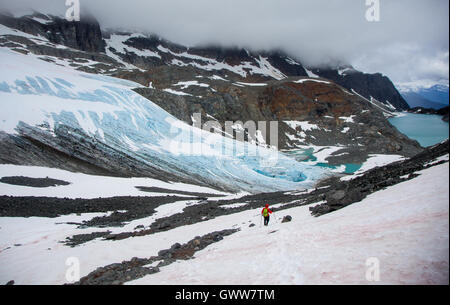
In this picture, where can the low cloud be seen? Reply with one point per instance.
(410, 42)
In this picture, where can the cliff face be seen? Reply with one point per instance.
(368, 85)
(84, 35)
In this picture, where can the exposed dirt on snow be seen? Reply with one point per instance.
(33, 182)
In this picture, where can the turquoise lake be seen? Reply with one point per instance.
(308, 155)
(426, 129)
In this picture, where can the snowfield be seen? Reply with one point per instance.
(405, 227)
(87, 186)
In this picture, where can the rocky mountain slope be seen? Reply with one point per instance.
(346, 110)
(442, 111)
(376, 86)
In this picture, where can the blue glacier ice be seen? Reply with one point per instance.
(105, 108)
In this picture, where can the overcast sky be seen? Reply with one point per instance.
(409, 43)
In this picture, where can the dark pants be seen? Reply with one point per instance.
(266, 220)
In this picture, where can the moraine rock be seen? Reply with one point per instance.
(286, 218)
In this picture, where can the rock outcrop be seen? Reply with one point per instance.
(84, 35)
(344, 193)
(375, 86)
(442, 111)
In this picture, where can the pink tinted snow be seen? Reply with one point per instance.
(405, 227)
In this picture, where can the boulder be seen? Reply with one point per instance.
(217, 237)
(175, 246)
(165, 253)
(286, 218)
(163, 225)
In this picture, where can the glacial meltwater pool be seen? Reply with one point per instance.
(307, 155)
(427, 129)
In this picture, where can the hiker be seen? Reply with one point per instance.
(265, 213)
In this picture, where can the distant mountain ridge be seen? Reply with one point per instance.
(437, 93)
(423, 94)
(416, 100)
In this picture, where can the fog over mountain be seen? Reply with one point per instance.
(409, 44)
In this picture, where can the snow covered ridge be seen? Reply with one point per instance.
(44, 97)
(120, 46)
(262, 67)
(311, 80)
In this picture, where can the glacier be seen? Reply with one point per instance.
(44, 96)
